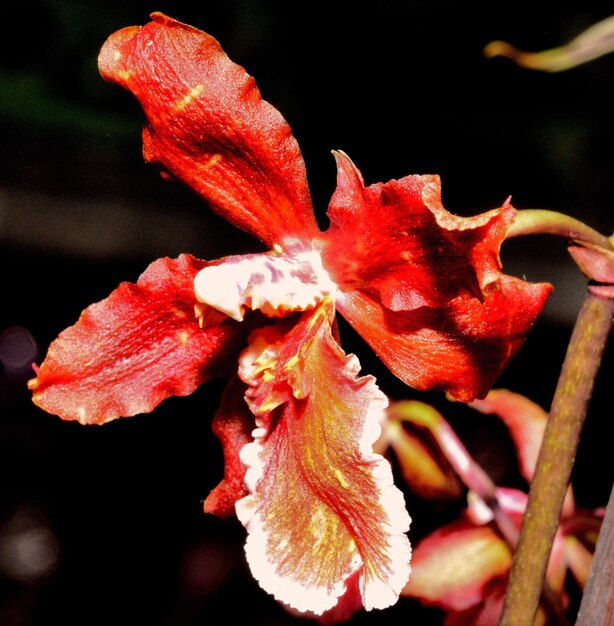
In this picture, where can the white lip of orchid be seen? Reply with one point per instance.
(277, 283)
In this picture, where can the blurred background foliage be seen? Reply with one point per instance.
(103, 526)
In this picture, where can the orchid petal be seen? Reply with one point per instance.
(525, 420)
(232, 425)
(208, 126)
(424, 471)
(511, 502)
(349, 603)
(488, 611)
(452, 567)
(397, 242)
(579, 559)
(597, 264)
(323, 506)
(426, 468)
(427, 417)
(461, 348)
(424, 287)
(556, 571)
(132, 350)
(276, 284)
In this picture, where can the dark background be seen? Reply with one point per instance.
(104, 525)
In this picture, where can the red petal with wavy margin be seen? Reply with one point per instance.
(132, 350)
(397, 242)
(423, 286)
(460, 348)
(452, 567)
(322, 506)
(209, 127)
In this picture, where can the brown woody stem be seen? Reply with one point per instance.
(556, 459)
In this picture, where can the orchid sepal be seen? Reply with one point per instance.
(135, 348)
(208, 126)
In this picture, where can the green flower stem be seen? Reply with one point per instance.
(556, 459)
(542, 221)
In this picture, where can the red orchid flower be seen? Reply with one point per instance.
(297, 421)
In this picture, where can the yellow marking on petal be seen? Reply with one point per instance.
(268, 405)
(194, 93)
(268, 376)
(183, 337)
(341, 478)
(125, 75)
(319, 521)
(292, 362)
(214, 160)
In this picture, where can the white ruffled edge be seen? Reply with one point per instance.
(274, 283)
(376, 593)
